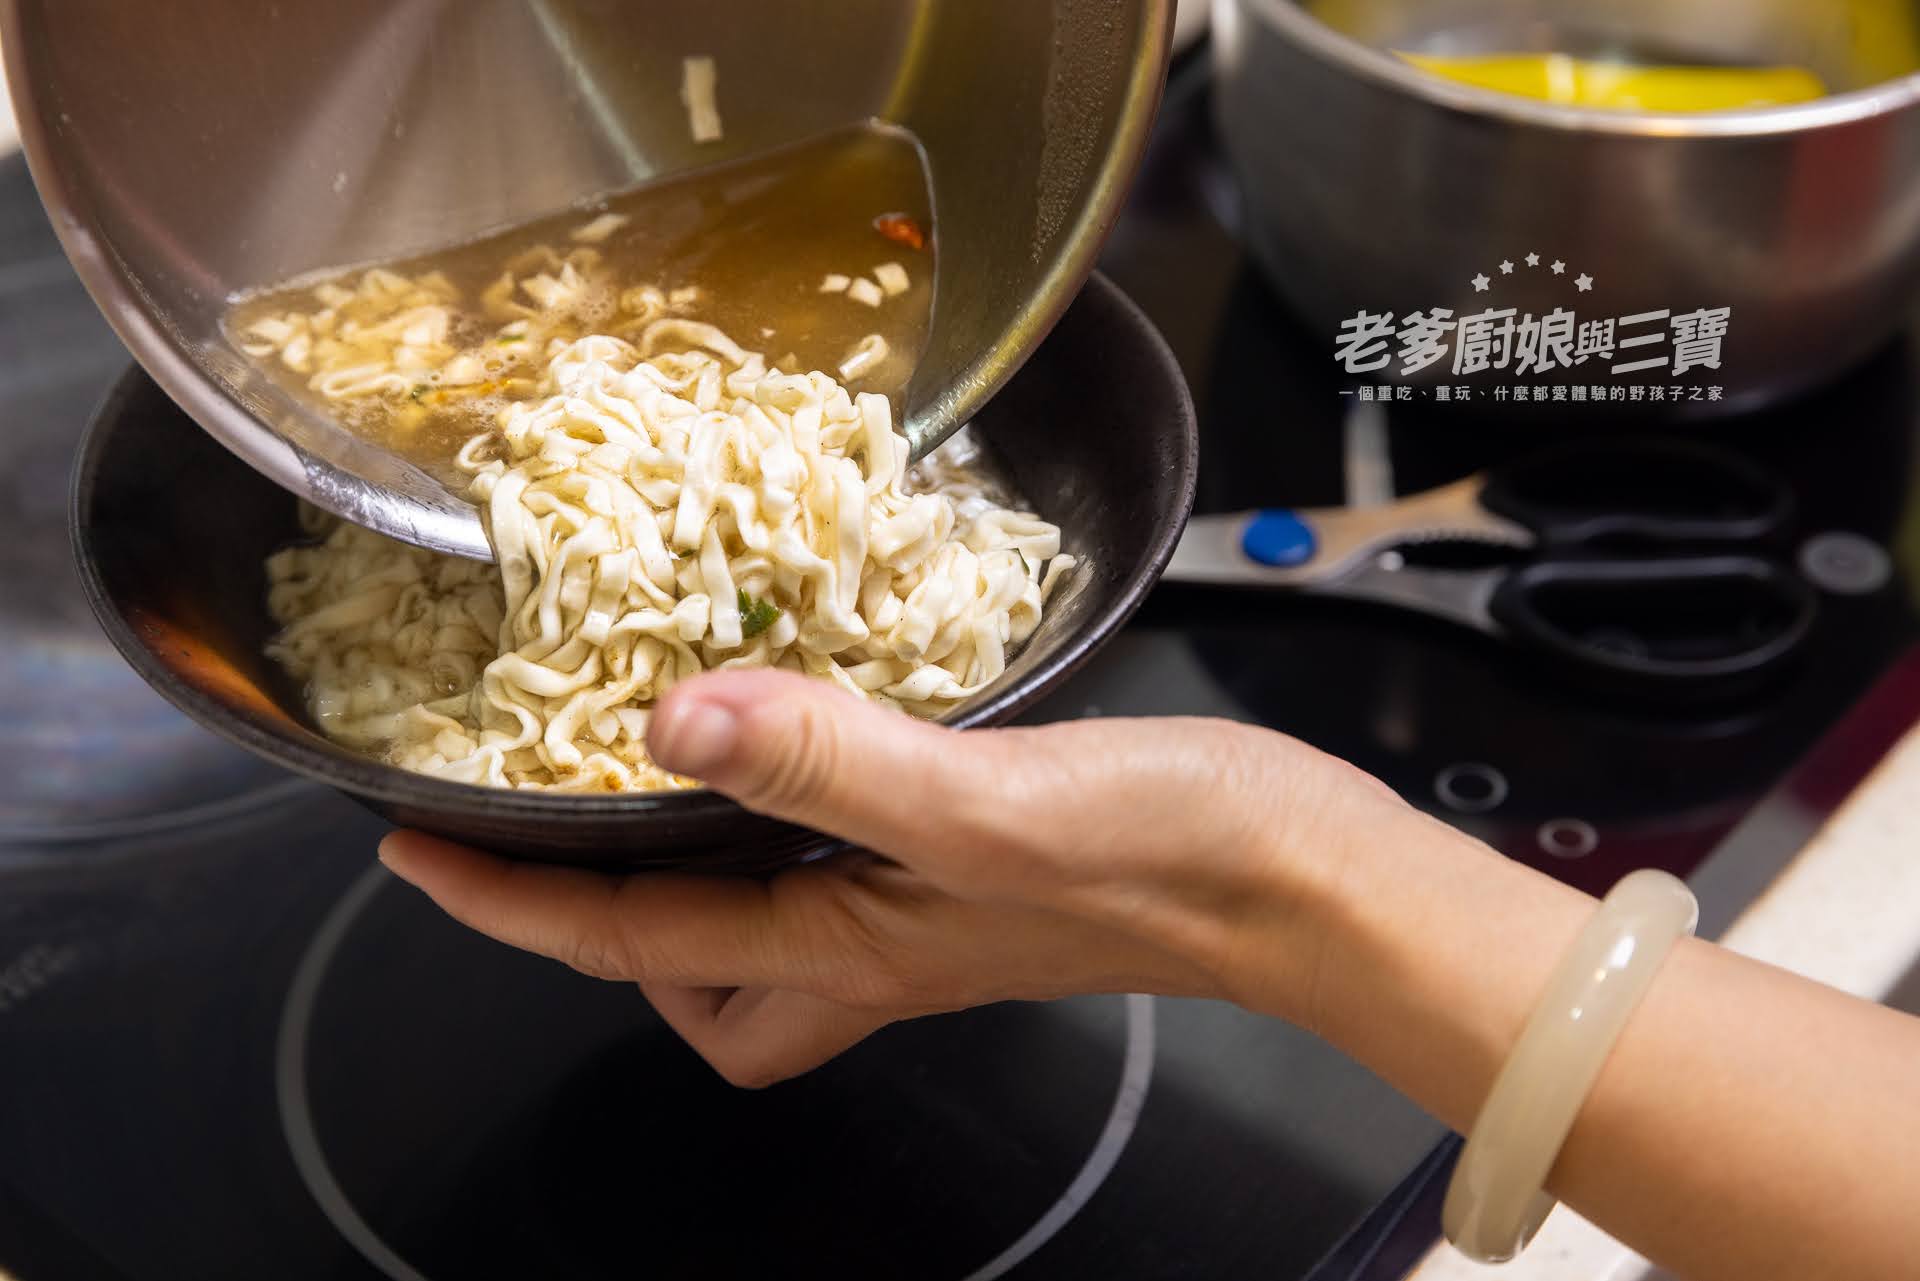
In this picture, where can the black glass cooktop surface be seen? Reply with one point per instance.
(231, 1046)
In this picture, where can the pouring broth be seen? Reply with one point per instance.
(664, 494)
(819, 254)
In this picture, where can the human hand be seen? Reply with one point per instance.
(1177, 856)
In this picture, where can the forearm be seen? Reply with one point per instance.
(1752, 1124)
(1749, 1124)
(1746, 1126)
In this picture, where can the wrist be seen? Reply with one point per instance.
(1266, 872)
(1320, 910)
(1263, 906)
(1433, 951)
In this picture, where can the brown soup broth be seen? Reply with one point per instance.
(755, 238)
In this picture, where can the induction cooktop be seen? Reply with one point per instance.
(232, 1046)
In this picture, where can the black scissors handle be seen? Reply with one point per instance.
(1701, 624)
(1639, 494)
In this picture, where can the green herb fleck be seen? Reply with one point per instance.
(505, 339)
(756, 615)
(419, 390)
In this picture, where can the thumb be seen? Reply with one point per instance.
(799, 749)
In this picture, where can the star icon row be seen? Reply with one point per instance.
(1482, 282)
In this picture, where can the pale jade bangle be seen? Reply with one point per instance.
(1497, 1199)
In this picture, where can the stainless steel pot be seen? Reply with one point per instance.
(193, 149)
(1372, 185)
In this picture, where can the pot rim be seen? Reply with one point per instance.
(1382, 69)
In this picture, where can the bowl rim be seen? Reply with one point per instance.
(389, 784)
(1380, 68)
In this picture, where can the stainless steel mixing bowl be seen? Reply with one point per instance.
(1370, 184)
(197, 148)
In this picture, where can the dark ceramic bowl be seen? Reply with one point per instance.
(172, 531)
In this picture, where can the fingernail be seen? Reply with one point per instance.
(694, 739)
(393, 854)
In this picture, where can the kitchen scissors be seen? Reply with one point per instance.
(1644, 563)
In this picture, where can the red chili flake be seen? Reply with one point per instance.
(901, 229)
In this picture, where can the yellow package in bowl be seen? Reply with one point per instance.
(1581, 82)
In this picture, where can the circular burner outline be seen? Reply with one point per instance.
(303, 1139)
(160, 822)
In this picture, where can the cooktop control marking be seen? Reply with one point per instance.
(1845, 564)
(1470, 787)
(1567, 837)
